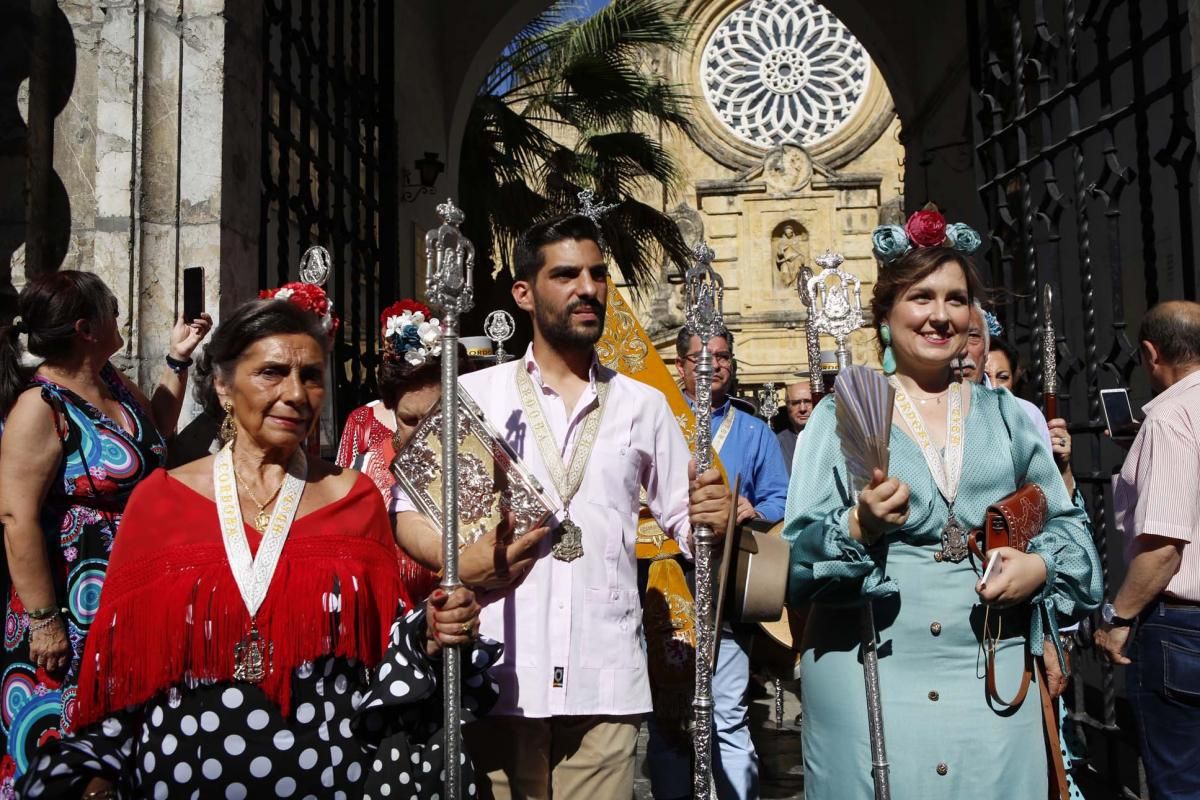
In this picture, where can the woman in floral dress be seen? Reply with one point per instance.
(77, 437)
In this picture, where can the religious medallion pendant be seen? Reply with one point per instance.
(570, 541)
(252, 657)
(261, 520)
(955, 539)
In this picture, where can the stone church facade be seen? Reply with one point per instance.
(795, 151)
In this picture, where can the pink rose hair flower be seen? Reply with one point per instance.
(926, 228)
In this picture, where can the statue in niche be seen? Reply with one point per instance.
(790, 247)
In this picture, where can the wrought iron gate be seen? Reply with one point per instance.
(328, 165)
(1086, 151)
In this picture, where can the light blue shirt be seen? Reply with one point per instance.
(751, 451)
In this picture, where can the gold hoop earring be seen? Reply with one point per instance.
(228, 431)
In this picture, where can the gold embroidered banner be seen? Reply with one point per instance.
(625, 347)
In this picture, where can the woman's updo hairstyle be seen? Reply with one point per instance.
(896, 277)
(48, 308)
(397, 376)
(237, 333)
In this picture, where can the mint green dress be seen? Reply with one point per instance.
(944, 739)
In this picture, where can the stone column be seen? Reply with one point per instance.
(173, 187)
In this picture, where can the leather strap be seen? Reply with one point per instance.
(1058, 786)
(991, 679)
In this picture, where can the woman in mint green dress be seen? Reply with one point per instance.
(955, 448)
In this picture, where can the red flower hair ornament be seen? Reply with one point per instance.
(309, 297)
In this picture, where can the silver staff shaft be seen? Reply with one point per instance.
(870, 658)
(812, 337)
(450, 260)
(450, 656)
(704, 293)
(704, 543)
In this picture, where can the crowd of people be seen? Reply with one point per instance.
(257, 622)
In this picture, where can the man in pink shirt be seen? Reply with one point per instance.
(573, 681)
(1158, 506)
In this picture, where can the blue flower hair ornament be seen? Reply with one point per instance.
(925, 228)
(993, 325)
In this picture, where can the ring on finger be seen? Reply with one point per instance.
(467, 629)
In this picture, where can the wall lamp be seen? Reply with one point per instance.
(428, 168)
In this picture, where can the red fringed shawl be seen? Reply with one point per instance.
(170, 609)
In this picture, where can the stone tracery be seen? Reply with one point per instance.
(782, 71)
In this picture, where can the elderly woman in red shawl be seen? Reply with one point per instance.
(247, 642)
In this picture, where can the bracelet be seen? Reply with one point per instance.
(37, 626)
(177, 366)
(43, 613)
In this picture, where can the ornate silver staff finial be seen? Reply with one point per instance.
(594, 210)
(450, 263)
(836, 302)
(315, 265)
(768, 400)
(499, 326)
(704, 294)
(591, 208)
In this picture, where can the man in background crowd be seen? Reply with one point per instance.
(798, 406)
(1153, 623)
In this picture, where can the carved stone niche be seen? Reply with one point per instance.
(790, 251)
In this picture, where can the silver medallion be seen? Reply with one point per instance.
(955, 541)
(252, 657)
(570, 541)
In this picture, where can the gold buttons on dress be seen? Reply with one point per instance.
(934, 696)
(935, 628)
(942, 769)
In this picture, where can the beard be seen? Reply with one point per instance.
(560, 330)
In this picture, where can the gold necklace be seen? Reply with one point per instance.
(262, 519)
(938, 397)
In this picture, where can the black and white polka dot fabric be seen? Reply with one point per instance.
(346, 737)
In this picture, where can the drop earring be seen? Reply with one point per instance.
(228, 431)
(889, 358)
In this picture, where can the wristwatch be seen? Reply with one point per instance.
(1110, 617)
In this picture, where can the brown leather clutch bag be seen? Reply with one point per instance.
(1011, 522)
(1014, 520)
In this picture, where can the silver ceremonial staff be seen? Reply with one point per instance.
(704, 293)
(836, 310)
(1049, 356)
(449, 262)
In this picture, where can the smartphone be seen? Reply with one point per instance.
(1118, 414)
(193, 293)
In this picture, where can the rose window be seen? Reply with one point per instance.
(783, 71)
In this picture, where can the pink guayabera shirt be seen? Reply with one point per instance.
(1158, 491)
(572, 631)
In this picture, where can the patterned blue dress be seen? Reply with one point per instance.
(944, 738)
(102, 461)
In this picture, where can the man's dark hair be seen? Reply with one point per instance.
(1173, 328)
(528, 257)
(683, 342)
